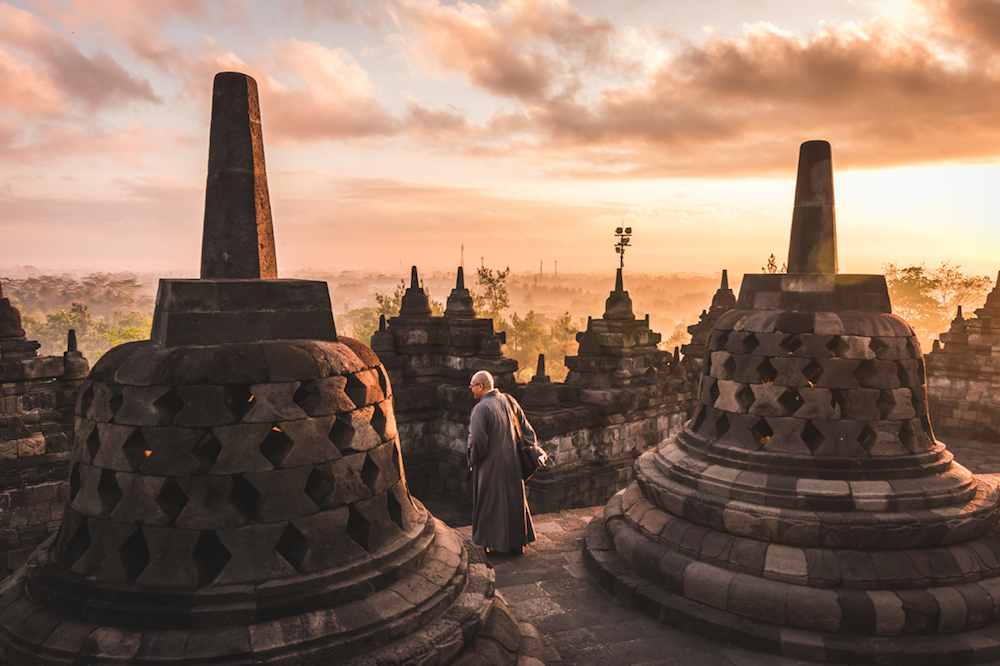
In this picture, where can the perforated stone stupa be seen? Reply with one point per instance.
(236, 490)
(806, 508)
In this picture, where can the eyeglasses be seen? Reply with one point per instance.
(475, 384)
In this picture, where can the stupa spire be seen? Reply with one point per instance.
(460, 300)
(813, 244)
(238, 237)
(415, 301)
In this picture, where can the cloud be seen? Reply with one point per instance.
(516, 49)
(334, 99)
(46, 143)
(59, 76)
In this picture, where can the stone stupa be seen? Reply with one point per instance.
(236, 489)
(806, 508)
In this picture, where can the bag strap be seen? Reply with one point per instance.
(513, 417)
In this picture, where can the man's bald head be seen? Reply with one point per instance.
(483, 377)
(481, 384)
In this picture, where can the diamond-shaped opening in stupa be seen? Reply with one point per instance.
(116, 401)
(713, 393)
(378, 420)
(790, 400)
(395, 510)
(342, 434)
(886, 402)
(276, 446)
(761, 432)
(356, 390)
(210, 557)
(93, 443)
(867, 437)
(171, 499)
(134, 555)
(749, 343)
(306, 396)
(135, 449)
(74, 480)
(369, 473)
(239, 400)
(319, 485)
(108, 491)
(244, 497)
(812, 437)
(838, 346)
(721, 426)
(383, 381)
(908, 436)
(812, 372)
(699, 418)
(168, 406)
(729, 368)
(293, 546)
(766, 372)
(791, 343)
(878, 347)
(358, 528)
(206, 452)
(745, 398)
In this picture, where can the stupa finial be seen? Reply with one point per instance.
(415, 300)
(725, 280)
(460, 280)
(813, 245)
(238, 237)
(541, 365)
(71, 340)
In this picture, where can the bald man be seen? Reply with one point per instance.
(501, 521)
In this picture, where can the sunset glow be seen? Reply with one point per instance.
(525, 130)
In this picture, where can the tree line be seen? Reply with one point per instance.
(105, 310)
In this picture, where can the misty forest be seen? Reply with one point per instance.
(540, 312)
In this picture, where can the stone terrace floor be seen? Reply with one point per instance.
(549, 587)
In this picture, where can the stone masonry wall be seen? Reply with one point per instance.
(36, 404)
(591, 453)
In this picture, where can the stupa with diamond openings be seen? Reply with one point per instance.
(807, 508)
(236, 493)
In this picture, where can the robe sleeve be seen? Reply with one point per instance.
(479, 439)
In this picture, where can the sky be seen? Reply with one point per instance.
(513, 133)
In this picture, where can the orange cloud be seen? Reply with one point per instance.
(334, 100)
(516, 49)
(34, 56)
(722, 106)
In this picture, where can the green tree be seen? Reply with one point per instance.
(530, 336)
(927, 299)
(494, 299)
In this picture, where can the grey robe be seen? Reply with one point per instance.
(500, 517)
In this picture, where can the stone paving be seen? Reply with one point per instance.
(549, 587)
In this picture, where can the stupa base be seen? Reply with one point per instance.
(604, 560)
(477, 627)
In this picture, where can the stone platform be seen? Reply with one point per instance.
(589, 626)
